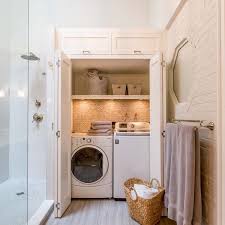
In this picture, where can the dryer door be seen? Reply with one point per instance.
(89, 164)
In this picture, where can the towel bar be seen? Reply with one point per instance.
(210, 125)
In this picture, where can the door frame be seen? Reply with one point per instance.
(52, 97)
(221, 114)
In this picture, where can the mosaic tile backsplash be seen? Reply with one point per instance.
(86, 111)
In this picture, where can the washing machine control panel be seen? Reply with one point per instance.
(82, 141)
(87, 140)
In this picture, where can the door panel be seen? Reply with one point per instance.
(64, 134)
(156, 117)
(87, 43)
(135, 43)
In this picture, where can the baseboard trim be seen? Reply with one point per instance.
(42, 214)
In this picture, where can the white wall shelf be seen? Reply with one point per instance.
(110, 97)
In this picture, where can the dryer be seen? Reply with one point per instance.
(91, 166)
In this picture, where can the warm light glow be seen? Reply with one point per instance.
(2, 94)
(20, 93)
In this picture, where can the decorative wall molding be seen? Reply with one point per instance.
(197, 21)
(176, 12)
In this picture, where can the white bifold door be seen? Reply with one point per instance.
(63, 133)
(156, 116)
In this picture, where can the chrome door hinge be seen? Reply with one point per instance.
(58, 62)
(164, 134)
(57, 205)
(163, 63)
(58, 134)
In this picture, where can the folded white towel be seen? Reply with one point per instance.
(143, 191)
(99, 134)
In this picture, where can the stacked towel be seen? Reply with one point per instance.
(101, 128)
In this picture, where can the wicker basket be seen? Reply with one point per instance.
(144, 211)
(134, 89)
(119, 89)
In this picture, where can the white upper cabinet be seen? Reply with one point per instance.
(135, 43)
(86, 42)
(91, 42)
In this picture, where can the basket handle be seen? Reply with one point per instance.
(132, 189)
(157, 181)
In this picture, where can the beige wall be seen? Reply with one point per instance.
(160, 12)
(198, 22)
(87, 111)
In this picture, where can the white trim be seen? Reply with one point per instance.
(50, 114)
(108, 97)
(221, 115)
(176, 12)
(42, 213)
(137, 56)
(111, 29)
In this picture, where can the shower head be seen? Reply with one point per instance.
(30, 57)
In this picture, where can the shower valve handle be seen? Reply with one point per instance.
(38, 118)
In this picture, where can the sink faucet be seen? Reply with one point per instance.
(126, 117)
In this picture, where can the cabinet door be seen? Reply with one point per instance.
(63, 122)
(84, 43)
(156, 116)
(135, 43)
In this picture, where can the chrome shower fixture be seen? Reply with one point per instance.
(30, 57)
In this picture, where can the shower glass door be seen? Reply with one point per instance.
(14, 77)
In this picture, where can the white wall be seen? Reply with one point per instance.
(101, 13)
(160, 12)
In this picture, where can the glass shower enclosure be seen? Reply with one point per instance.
(14, 79)
(22, 187)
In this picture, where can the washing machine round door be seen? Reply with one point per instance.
(89, 164)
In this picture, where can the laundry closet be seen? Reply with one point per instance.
(128, 60)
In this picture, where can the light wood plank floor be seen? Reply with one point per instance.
(98, 212)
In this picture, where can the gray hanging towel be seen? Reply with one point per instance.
(182, 174)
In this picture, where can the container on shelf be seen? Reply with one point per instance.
(97, 83)
(119, 89)
(134, 89)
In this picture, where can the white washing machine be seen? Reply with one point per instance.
(131, 154)
(91, 166)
